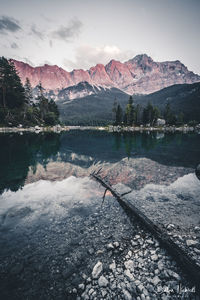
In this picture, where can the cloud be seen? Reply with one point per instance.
(50, 43)
(37, 33)
(8, 24)
(28, 61)
(14, 46)
(67, 33)
(87, 56)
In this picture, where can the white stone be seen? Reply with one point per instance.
(97, 270)
(130, 253)
(150, 242)
(196, 228)
(155, 280)
(127, 295)
(110, 246)
(170, 226)
(191, 243)
(116, 244)
(128, 274)
(154, 257)
(174, 275)
(103, 282)
(112, 266)
(129, 264)
(81, 286)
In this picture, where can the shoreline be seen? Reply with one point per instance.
(110, 128)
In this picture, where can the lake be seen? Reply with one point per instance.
(53, 224)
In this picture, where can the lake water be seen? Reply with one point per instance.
(22, 156)
(51, 211)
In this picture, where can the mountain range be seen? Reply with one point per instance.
(87, 97)
(139, 75)
(96, 109)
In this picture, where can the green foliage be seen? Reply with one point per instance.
(192, 123)
(114, 109)
(180, 119)
(50, 118)
(11, 89)
(169, 116)
(119, 115)
(16, 101)
(130, 112)
(138, 115)
(28, 91)
(150, 114)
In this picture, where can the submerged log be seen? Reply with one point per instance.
(186, 262)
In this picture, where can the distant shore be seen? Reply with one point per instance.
(110, 128)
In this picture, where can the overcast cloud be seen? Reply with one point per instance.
(14, 46)
(67, 33)
(36, 32)
(87, 56)
(8, 24)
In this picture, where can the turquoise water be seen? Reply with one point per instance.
(20, 153)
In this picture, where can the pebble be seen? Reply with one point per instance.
(133, 243)
(91, 251)
(191, 243)
(129, 264)
(112, 266)
(116, 244)
(170, 226)
(155, 280)
(102, 282)
(197, 229)
(154, 257)
(110, 246)
(127, 295)
(97, 270)
(81, 286)
(140, 273)
(150, 242)
(129, 275)
(104, 293)
(174, 275)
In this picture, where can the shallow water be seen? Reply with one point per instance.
(51, 211)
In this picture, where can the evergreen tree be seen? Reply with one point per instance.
(150, 114)
(156, 115)
(114, 109)
(180, 119)
(11, 89)
(40, 90)
(138, 115)
(28, 91)
(54, 108)
(119, 115)
(170, 118)
(130, 112)
(16, 105)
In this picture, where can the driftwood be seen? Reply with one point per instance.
(190, 267)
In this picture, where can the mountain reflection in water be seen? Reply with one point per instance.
(29, 157)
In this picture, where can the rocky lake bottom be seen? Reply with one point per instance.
(60, 240)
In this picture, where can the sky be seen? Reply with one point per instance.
(76, 34)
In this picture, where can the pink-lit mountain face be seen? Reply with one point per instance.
(140, 75)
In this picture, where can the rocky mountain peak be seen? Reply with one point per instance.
(141, 59)
(139, 75)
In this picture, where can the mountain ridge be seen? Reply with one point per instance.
(139, 75)
(97, 108)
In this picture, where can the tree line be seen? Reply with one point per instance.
(16, 101)
(136, 115)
